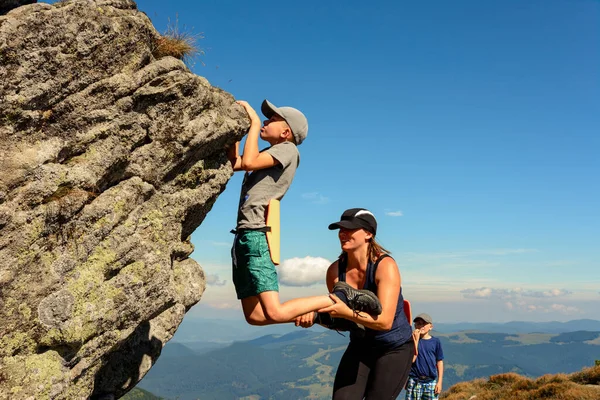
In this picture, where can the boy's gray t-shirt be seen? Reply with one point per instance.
(262, 185)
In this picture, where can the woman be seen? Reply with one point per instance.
(377, 361)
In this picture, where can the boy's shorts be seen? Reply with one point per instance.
(253, 270)
(418, 390)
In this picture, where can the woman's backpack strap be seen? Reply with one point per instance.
(342, 265)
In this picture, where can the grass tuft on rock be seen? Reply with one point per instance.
(178, 43)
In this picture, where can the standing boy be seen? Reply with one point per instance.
(269, 174)
(427, 372)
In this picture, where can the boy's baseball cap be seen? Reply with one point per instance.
(425, 317)
(294, 118)
(355, 218)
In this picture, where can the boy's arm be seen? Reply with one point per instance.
(416, 337)
(233, 154)
(440, 370)
(253, 159)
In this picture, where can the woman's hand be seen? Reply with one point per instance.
(307, 320)
(338, 309)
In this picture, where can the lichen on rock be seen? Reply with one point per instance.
(110, 159)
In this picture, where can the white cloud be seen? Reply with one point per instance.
(550, 293)
(315, 198)
(553, 308)
(214, 280)
(533, 308)
(394, 213)
(523, 300)
(303, 271)
(481, 293)
(495, 293)
(564, 309)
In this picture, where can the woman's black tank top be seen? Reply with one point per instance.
(401, 331)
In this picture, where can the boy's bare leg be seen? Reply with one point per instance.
(265, 309)
(253, 311)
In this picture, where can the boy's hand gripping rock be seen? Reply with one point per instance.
(251, 113)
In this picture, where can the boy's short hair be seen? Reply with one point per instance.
(293, 117)
(425, 317)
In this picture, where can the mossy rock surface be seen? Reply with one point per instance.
(110, 159)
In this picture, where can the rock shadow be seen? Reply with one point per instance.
(124, 368)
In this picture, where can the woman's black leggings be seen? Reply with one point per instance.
(366, 373)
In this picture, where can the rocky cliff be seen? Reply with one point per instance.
(110, 157)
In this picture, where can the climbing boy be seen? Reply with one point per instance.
(427, 372)
(269, 174)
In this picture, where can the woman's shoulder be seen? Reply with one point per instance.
(333, 267)
(385, 259)
(332, 274)
(386, 265)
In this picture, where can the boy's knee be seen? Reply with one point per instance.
(255, 320)
(254, 317)
(274, 314)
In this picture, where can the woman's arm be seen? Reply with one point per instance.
(387, 279)
(331, 277)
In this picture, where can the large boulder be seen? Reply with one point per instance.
(109, 159)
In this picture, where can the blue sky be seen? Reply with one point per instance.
(469, 128)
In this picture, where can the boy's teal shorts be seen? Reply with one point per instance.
(253, 270)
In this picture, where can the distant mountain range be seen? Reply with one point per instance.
(225, 330)
(522, 326)
(302, 364)
(221, 331)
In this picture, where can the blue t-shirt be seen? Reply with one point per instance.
(430, 352)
